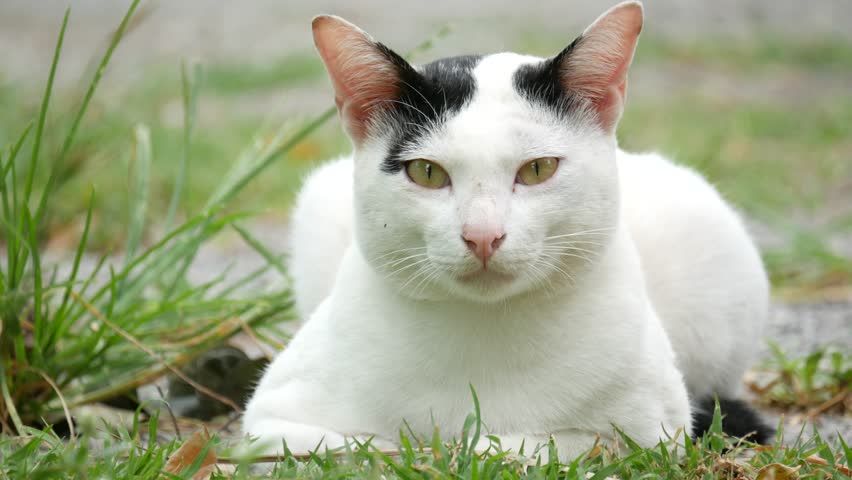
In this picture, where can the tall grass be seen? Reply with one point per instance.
(68, 340)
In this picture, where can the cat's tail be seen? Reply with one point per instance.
(738, 420)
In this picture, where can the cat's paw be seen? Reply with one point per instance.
(271, 435)
(529, 444)
(569, 444)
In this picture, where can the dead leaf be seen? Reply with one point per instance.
(189, 452)
(776, 471)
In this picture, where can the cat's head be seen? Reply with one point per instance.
(483, 177)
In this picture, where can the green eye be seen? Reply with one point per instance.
(537, 171)
(427, 174)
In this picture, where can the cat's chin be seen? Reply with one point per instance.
(485, 285)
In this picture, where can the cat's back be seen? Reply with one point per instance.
(320, 231)
(703, 272)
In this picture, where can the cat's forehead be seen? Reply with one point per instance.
(461, 78)
(446, 88)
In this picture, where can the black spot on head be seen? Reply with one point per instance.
(426, 98)
(541, 83)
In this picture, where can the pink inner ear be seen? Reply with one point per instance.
(363, 77)
(597, 68)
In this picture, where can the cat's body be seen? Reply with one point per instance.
(557, 300)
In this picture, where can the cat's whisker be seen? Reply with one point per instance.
(568, 248)
(428, 280)
(421, 271)
(572, 242)
(393, 263)
(596, 231)
(396, 252)
(539, 276)
(558, 268)
(406, 267)
(566, 254)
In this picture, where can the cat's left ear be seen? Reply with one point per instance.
(595, 65)
(365, 74)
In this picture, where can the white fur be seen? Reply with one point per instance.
(575, 341)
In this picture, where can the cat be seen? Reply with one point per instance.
(487, 232)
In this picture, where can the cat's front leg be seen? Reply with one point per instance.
(271, 434)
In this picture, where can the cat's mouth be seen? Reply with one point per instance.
(484, 275)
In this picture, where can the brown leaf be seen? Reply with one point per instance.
(776, 471)
(189, 452)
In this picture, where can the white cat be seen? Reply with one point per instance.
(488, 232)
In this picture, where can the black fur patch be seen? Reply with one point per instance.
(425, 99)
(738, 420)
(541, 83)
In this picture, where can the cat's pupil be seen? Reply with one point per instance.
(535, 168)
(428, 171)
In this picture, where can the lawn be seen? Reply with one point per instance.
(146, 177)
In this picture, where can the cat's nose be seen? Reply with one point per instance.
(483, 242)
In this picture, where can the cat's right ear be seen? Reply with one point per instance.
(595, 65)
(365, 74)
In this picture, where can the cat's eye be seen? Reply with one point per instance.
(427, 174)
(537, 171)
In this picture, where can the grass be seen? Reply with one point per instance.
(134, 452)
(814, 384)
(70, 339)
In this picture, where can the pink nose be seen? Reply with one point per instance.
(482, 242)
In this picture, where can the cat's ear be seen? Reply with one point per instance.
(595, 65)
(365, 74)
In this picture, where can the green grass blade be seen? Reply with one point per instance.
(248, 278)
(7, 400)
(44, 104)
(267, 154)
(139, 194)
(93, 85)
(59, 318)
(258, 247)
(10, 211)
(38, 318)
(151, 251)
(191, 86)
(84, 106)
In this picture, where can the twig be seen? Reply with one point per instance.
(827, 405)
(65, 409)
(815, 460)
(171, 413)
(130, 338)
(196, 340)
(227, 425)
(248, 331)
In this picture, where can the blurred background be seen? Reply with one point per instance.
(755, 94)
